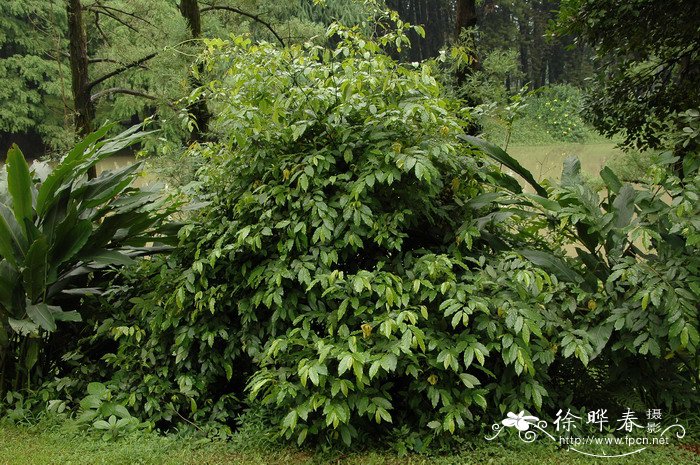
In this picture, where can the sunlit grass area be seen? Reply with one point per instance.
(545, 161)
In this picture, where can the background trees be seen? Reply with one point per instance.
(649, 54)
(66, 67)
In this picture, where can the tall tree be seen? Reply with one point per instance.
(84, 108)
(197, 109)
(34, 84)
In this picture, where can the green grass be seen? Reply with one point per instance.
(546, 161)
(65, 444)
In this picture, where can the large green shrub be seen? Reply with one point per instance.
(361, 266)
(349, 259)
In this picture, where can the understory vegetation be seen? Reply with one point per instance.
(349, 259)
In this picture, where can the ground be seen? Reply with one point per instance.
(66, 444)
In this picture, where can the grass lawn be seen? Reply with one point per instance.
(546, 161)
(68, 445)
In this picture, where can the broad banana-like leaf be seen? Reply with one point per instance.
(70, 240)
(32, 354)
(571, 172)
(121, 141)
(67, 170)
(36, 269)
(110, 257)
(23, 327)
(19, 184)
(501, 156)
(12, 241)
(623, 206)
(41, 315)
(105, 187)
(59, 315)
(553, 264)
(9, 278)
(611, 180)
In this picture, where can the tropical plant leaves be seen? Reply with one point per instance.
(571, 172)
(501, 156)
(623, 206)
(41, 314)
(12, 239)
(36, 269)
(552, 264)
(19, 185)
(611, 180)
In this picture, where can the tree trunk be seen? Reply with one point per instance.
(465, 17)
(540, 50)
(198, 109)
(84, 109)
(523, 27)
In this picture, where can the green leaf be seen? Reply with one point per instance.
(9, 278)
(41, 315)
(552, 264)
(623, 206)
(36, 269)
(106, 186)
(101, 424)
(12, 239)
(469, 380)
(32, 354)
(69, 240)
(19, 184)
(23, 327)
(110, 257)
(71, 168)
(501, 156)
(611, 180)
(60, 315)
(96, 389)
(548, 204)
(571, 172)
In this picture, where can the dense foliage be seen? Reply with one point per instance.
(353, 264)
(361, 267)
(31, 90)
(639, 252)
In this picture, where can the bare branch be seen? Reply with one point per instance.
(135, 16)
(103, 60)
(121, 90)
(249, 15)
(99, 28)
(117, 19)
(117, 71)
